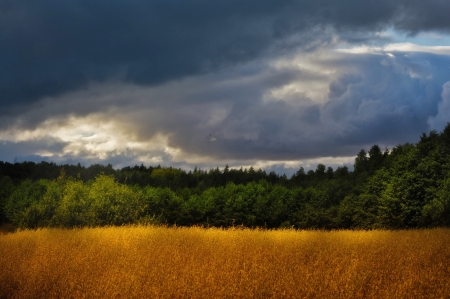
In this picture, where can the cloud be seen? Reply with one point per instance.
(325, 105)
(48, 146)
(397, 47)
(52, 47)
(440, 120)
(206, 83)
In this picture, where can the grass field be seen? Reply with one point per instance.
(159, 262)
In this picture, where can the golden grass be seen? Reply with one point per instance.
(158, 262)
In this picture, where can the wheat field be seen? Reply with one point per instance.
(161, 262)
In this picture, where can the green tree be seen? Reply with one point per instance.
(437, 211)
(163, 204)
(361, 162)
(358, 211)
(112, 203)
(73, 210)
(6, 189)
(22, 207)
(376, 158)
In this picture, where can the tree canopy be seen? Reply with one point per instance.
(406, 187)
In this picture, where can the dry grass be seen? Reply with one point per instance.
(157, 262)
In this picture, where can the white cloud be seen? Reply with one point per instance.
(439, 121)
(396, 47)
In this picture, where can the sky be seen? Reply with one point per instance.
(276, 85)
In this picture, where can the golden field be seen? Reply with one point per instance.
(161, 262)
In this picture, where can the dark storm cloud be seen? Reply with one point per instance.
(375, 99)
(49, 47)
(234, 114)
(11, 151)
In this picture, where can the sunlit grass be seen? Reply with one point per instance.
(159, 262)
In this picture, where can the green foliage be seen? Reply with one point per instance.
(112, 203)
(358, 211)
(23, 208)
(6, 188)
(437, 211)
(73, 206)
(163, 203)
(407, 187)
(167, 177)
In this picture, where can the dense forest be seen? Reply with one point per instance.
(406, 187)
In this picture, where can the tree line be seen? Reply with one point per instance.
(407, 187)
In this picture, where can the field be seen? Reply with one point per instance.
(160, 262)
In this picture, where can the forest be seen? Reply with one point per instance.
(405, 187)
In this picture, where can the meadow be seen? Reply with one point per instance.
(170, 262)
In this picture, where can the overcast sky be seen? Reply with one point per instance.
(273, 84)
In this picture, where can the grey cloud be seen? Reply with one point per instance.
(11, 151)
(341, 85)
(417, 15)
(372, 102)
(372, 99)
(388, 105)
(50, 47)
(201, 73)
